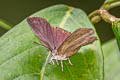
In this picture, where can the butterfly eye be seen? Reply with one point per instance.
(53, 54)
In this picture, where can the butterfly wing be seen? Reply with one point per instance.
(78, 38)
(59, 35)
(51, 37)
(42, 30)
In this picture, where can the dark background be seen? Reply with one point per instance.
(14, 11)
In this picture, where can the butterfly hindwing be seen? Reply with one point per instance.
(78, 38)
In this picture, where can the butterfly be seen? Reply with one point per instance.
(61, 43)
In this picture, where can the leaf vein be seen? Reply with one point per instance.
(68, 13)
(88, 67)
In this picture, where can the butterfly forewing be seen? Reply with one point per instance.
(51, 37)
(42, 30)
(78, 38)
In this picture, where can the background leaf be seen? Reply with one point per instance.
(116, 30)
(4, 24)
(112, 60)
(20, 59)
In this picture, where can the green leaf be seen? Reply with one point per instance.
(112, 60)
(21, 59)
(116, 30)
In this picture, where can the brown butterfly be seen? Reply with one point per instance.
(61, 43)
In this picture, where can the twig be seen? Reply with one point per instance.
(106, 16)
(103, 13)
(109, 6)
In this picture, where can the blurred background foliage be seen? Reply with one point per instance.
(15, 11)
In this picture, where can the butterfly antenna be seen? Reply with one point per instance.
(37, 43)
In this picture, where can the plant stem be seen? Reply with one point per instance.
(5, 25)
(96, 12)
(109, 6)
(103, 13)
(106, 16)
(95, 16)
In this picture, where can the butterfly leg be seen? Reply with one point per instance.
(57, 62)
(61, 65)
(51, 60)
(69, 61)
